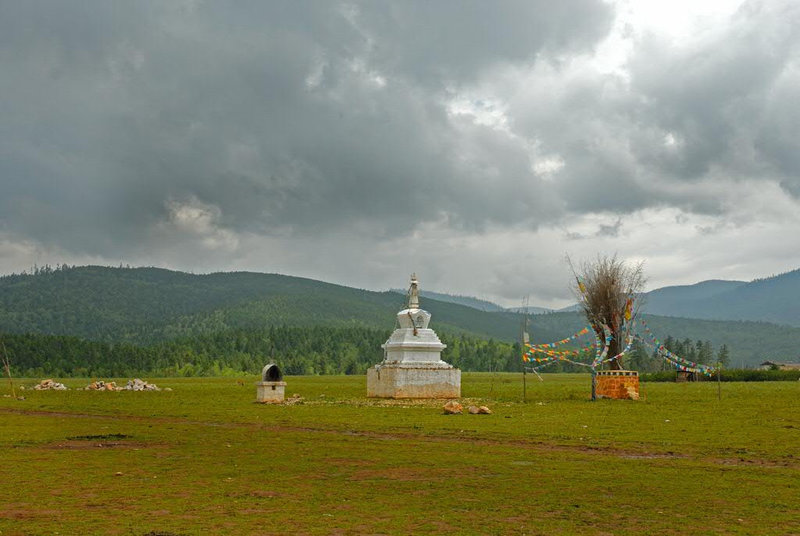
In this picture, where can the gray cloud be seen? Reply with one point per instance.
(193, 133)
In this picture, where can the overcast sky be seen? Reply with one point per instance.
(476, 143)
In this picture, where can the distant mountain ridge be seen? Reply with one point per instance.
(467, 301)
(529, 309)
(477, 303)
(774, 299)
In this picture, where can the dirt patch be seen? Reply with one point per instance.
(755, 462)
(100, 437)
(397, 474)
(83, 444)
(348, 462)
(650, 456)
(27, 513)
(256, 494)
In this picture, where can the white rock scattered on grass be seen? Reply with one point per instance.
(50, 385)
(140, 385)
(100, 385)
(482, 410)
(453, 408)
(294, 399)
(132, 385)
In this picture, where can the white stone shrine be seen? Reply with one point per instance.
(412, 366)
(270, 390)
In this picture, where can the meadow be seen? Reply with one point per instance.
(205, 459)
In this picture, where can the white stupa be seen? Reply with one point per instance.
(412, 366)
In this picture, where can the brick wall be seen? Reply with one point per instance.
(621, 384)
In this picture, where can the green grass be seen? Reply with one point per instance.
(205, 459)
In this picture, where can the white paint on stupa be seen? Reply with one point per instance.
(412, 366)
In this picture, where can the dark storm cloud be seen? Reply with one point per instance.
(718, 99)
(438, 43)
(714, 109)
(284, 115)
(167, 131)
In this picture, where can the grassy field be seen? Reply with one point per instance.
(205, 459)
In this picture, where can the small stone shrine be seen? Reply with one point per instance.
(412, 366)
(270, 390)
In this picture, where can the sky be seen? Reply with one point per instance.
(475, 143)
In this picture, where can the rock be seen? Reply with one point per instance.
(294, 399)
(132, 385)
(483, 410)
(100, 385)
(452, 408)
(140, 385)
(21, 387)
(633, 394)
(168, 388)
(473, 410)
(48, 385)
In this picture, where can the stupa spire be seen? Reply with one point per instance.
(413, 293)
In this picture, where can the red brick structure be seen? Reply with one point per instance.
(620, 384)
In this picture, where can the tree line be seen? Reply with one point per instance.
(297, 350)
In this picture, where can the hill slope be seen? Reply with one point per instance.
(145, 305)
(775, 299)
(469, 301)
(151, 305)
(666, 300)
(750, 343)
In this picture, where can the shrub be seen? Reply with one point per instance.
(731, 375)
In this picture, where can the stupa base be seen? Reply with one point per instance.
(418, 380)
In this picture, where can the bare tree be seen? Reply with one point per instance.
(609, 292)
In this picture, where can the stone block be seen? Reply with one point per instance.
(413, 381)
(270, 392)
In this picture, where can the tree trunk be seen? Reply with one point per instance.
(613, 349)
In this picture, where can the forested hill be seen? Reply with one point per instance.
(469, 301)
(750, 343)
(774, 299)
(146, 305)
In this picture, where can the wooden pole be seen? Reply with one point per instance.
(7, 366)
(524, 384)
(524, 338)
(719, 381)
